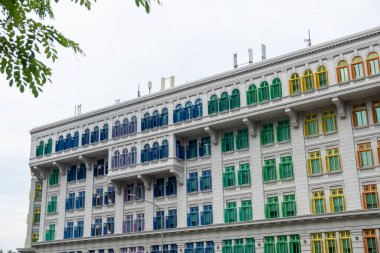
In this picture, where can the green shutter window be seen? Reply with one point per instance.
(289, 208)
(283, 131)
(286, 167)
(294, 244)
(227, 246)
(244, 175)
(213, 105)
(269, 246)
(230, 214)
(228, 142)
(239, 246)
(52, 205)
(249, 245)
(272, 208)
(229, 177)
(48, 147)
(224, 102)
(53, 177)
(40, 149)
(267, 135)
(245, 211)
(252, 95)
(264, 92)
(242, 139)
(235, 99)
(50, 233)
(282, 244)
(276, 89)
(269, 170)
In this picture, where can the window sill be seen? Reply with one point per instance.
(334, 172)
(243, 149)
(330, 133)
(229, 187)
(284, 142)
(325, 87)
(316, 175)
(367, 168)
(314, 136)
(361, 127)
(287, 179)
(270, 182)
(268, 145)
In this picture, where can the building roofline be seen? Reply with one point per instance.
(218, 77)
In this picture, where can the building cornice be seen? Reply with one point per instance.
(220, 77)
(218, 227)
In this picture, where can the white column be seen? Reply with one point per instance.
(217, 181)
(119, 209)
(348, 162)
(149, 208)
(88, 200)
(41, 236)
(61, 203)
(299, 168)
(255, 165)
(182, 202)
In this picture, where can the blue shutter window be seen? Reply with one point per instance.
(198, 109)
(159, 188)
(206, 215)
(192, 182)
(178, 114)
(193, 217)
(180, 150)
(164, 117)
(164, 150)
(188, 111)
(86, 137)
(171, 186)
(104, 133)
(205, 181)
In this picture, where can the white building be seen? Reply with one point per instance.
(278, 156)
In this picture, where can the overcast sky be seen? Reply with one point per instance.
(124, 46)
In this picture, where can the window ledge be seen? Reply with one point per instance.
(344, 83)
(323, 87)
(270, 182)
(268, 145)
(276, 99)
(284, 142)
(312, 136)
(367, 168)
(361, 127)
(287, 179)
(243, 149)
(334, 172)
(229, 187)
(316, 175)
(264, 102)
(330, 133)
(228, 152)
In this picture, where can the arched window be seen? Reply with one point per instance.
(164, 151)
(116, 129)
(48, 147)
(342, 71)
(164, 117)
(308, 80)
(86, 137)
(322, 77)
(104, 133)
(68, 142)
(132, 125)
(95, 135)
(357, 67)
(155, 151)
(373, 65)
(115, 159)
(223, 102)
(276, 89)
(294, 84)
(76, 139)
(60, 144)
(145, 122)
(145, 154)
(235, 99)
(180, 150)
(213, 105)
(198, 108)
(188, 111)
(178, 114)
(40, 149)
(252, 94)
(264, 92)
(156, 119)
(133, 155)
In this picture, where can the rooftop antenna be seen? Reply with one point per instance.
(308, 40)
(250, 56)
(263, 52)
(138, 91)
(149, 86)
(235, 60)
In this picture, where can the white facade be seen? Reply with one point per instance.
(341, 97)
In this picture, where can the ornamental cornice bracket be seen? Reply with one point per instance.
(178, 173)
(339, 103)
(293, 116)
(118, 186)
(38, 172)
(252, 126)
(146, 180)
(86, 161)
(61, 167)
(213, 134)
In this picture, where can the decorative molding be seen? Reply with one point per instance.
(118, 186)
(213, 134)
(146, 180)
(61, 167)
(293, 116)
(179, 174)
(86, 161)
(39, 172)
(339, 103)
(252, 126)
